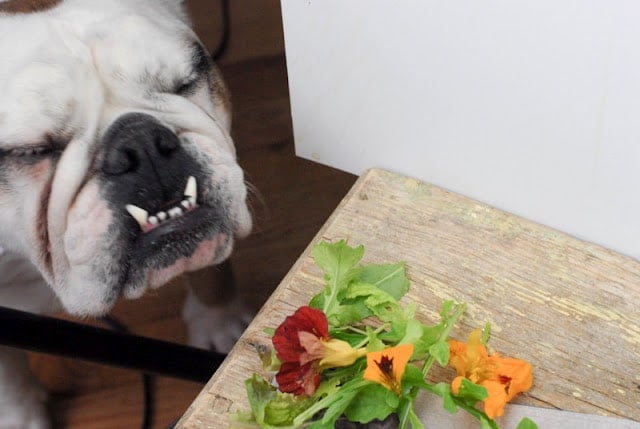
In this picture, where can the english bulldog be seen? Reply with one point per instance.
(117, 169)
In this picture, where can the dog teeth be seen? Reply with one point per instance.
(147, 223)
(140, 215)
(191, 190)
(175, 212)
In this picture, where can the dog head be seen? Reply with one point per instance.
(117, 169)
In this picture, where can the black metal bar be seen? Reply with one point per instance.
(61, 337)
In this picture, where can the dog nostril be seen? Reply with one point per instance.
(120, 161)
(166, 144)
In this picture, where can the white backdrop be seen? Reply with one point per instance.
(529, 106)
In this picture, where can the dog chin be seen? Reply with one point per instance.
(208, 252)
(83, 297)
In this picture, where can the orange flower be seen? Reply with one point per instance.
(387, 366)
(503, 378)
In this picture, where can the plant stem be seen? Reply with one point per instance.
(459, 310)
(324, 403)
(411, 396)
(366, 340)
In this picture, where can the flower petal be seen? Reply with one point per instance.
(298, 379)
(387, 366)
(497, 399)
(515, 374)
(286, 339)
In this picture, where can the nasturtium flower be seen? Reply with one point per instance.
(503, 378)
(387, 366)
(304, 347)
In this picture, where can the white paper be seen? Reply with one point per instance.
(434, 416)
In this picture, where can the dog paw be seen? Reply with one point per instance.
(26, 411)
(215, 328)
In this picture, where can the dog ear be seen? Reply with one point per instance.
(27, 6)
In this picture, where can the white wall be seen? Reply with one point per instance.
(529, 106)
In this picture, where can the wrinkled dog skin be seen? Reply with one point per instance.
(117, 169)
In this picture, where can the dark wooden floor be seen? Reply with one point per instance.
(292, 198)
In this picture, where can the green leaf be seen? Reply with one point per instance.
(413, 377)
(259, 393)
(486, 333)
(371, 403)
(415, 420)
(413, 332)
(443, 390)
(391, 278)
(374, 297)
(446, 309)
(527, 423)
(270, 407)
(472, 392)
(342, 315)
(374, 343)
(320, 425)
(338, 261)
(341, 401)
(430, 335)
(283, 409)
(440, 351)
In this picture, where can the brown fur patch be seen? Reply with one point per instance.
(218, 89)
(27, 6)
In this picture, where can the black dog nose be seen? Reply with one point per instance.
(137, 141)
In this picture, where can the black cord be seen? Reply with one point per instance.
(148, 380)
(226, 30)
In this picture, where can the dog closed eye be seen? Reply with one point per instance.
(49, 146)
(29, 151)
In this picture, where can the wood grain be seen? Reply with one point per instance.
(567, 306)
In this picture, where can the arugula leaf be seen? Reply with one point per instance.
(373, 402)
(259, 393)
(472, 392)
(430, 336)
(270, 407)
(527, 423)
(440, 351)
(415, 421)
(413, 377)
(338, 261)
(443, 390)
(390, 278)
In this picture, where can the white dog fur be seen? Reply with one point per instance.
(69, 77)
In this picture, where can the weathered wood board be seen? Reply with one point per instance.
(569, 307)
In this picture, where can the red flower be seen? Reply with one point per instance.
(286, 339)
(305, 349)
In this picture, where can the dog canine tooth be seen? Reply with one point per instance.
(175, 212)
(140, 215)
(191, 190)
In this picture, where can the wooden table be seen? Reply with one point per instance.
(569, 307)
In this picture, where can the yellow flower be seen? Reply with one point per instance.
(503, 378)
(387, 366)
(329, 353)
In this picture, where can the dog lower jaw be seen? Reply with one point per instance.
(208, 252)
(80, 300)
